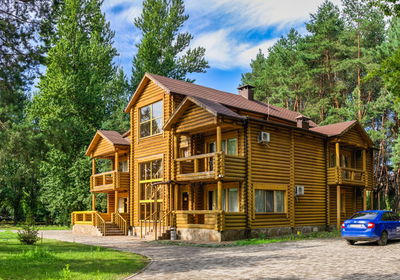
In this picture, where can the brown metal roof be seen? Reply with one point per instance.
(222, 97)
(114, 137)
(334, 129)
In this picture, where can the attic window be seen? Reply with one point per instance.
(151, 119)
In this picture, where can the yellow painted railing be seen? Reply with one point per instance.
(83, 218)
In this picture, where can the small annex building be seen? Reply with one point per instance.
(220, 166)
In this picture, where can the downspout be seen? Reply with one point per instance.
(246, 179)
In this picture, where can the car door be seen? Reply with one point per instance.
(396, 221)
(388, 224)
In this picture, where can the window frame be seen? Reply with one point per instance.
(272, 187)
(151, 119)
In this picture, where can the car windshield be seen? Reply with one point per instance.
(364, 216)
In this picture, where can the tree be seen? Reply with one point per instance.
(21, 50)
(389, 7)
(161, 47)
(71, 103)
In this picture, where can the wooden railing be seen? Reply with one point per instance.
(210, 166)
(111, 180)
(344, 175)
(121, 222)
(100, 223)
(201, 219)
(83, 218)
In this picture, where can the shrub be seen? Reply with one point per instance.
(28, 235)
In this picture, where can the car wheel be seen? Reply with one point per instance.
(351, 242)
(384, 239)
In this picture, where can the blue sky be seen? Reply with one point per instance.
(232, 31)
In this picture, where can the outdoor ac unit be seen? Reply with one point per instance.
(299, 190)
(263, 137)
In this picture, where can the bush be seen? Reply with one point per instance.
(28, 235)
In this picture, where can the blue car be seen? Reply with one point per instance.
(371, 225)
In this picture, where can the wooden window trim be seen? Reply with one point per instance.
(272, 187)
(151, 119)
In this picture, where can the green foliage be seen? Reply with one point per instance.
(389, 7)
(161, 47)
(29, 236)
(79, 92)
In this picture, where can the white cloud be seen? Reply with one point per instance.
(224, 51)
(223, 27)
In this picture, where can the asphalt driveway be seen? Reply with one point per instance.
(310, 259)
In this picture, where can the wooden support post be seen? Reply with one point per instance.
(196, 165)
(338, 208)
(337, 150)
(371, 199)
(116, 165)
(93, 166)
(364, 199)
(219, 140)
(219, 186)
(176, 196)
(116, 202)
(364, 160)
(93, 202)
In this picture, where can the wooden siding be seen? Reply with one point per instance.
(149, 148)
(310, 168)
(103, 147)
(194, 118)
(353, 136)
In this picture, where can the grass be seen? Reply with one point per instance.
(43, 227)
(53, 259)
(260, 240)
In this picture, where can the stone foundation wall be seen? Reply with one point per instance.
(88, 230)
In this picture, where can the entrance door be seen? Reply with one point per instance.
(185, 201)
(122, 205)
(211, 200)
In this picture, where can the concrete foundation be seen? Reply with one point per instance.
(87, 230)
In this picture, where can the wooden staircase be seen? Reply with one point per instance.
(116, 227)
(111, 229)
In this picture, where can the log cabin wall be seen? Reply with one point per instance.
(310, 172)
(149, 148)
(103, 147)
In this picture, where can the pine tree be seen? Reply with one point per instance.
(71, 103)
(159, 51)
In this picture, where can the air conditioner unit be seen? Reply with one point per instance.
(263, 137)
(299, 190)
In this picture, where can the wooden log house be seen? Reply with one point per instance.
(219, 166)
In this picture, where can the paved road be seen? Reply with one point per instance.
(311, 259)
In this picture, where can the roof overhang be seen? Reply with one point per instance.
(95, 140)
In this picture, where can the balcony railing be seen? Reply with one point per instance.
(210, 167)
(108, 181)
(344, 175)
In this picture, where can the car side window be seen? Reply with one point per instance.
(386, 216)
(395, 217)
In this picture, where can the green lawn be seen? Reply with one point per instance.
(63, 260)
(256, 241)
(44, 227)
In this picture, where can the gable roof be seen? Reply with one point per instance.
(111, 136)
(217, 96)
(339, 129)
(214, 108)
(335, 129)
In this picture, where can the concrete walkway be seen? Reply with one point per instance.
(311, 259)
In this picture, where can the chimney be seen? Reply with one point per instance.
(247, 91)
(303, 122)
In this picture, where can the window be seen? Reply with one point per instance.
(364, 216)
(151, 119)
(229, 146)
(230, 200)
(270, 201)
(150, 172)
(123, 166)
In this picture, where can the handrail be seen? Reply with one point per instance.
(197, 156)
(121, 222)
(76, 220)
(352, 169)
(104, 173)
(100, 223)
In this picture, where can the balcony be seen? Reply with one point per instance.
(346, 176)
(210, 166)
(109, 181)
